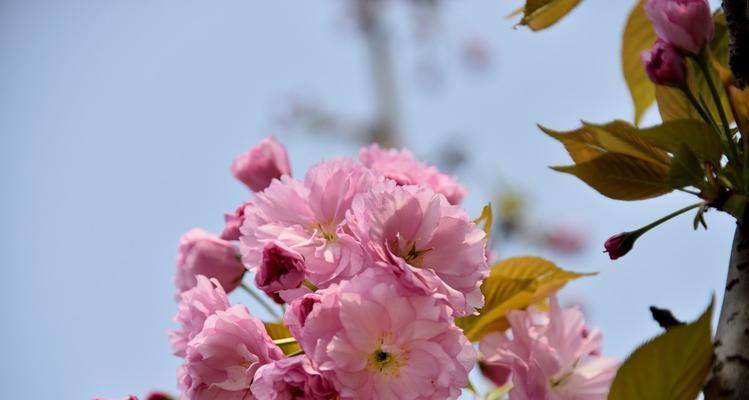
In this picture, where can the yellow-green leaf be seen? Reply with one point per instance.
(593, 140)
(686, 169)
(638, 37)
(702, 139)
(513, 284)
(485, 219)
(672, 366)
(278, 331)
(540, 14)
(622, 177)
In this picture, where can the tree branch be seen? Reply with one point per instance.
(737, 20)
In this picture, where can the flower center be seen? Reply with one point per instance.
(413, 256)
(384, 362)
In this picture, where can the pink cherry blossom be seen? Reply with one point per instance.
(552, 356)
(195, 306)
(262, 164)
(433, 245)
(402, 167)
(223, 358)
(289, 379)
(687, 24)
(232, 223)
(201, 253)
(376, 339)
(309, 218)
(281, 269)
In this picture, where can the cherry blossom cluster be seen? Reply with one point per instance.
(373, 259)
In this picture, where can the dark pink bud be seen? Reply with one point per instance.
(498, 374)
(261, 164)
(281, 269)
(159, 396)
(619, 245)
(664, 65)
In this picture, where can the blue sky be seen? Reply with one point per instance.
(119, 120)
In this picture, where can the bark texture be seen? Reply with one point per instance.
(730, 373)
(737, 19)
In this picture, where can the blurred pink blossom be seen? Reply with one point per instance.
(552, 356)
(232, 223)
(257, 167)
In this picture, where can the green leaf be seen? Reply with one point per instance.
(638, 37)
(278, 331)
(622, 177)
(700, 137)
(686, 169)
(514, 283)
(672, 366)
(736, 206)
(541, 14)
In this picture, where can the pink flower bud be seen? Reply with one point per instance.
(159, 396)
(261, 164)
(201, 253)
(687, 24)
(498, 374)
(664, 65)
(619, 245)
(281, 269)
(232, 222)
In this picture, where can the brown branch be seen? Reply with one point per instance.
(737, 20)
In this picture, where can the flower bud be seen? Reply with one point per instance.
(687, 24)
(261, 164)
(201, 253)
(281, 269)
(621, 244)
(159, 396)
(664, 65)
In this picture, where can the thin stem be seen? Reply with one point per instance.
(701, 61)
(667, 217)
(696, 104)
(688, 191)
(288, 340)
(296, 353)
(260, 300)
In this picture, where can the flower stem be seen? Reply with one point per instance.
(667, 217)
(696, 104)
(701, 61)
(296, 353)
(261, 301)
(288, 340)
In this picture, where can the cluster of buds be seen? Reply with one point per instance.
(683, 27)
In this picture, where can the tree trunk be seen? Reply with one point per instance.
(737, 20)
(730, 373)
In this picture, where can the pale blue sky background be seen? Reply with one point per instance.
(119, 119)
